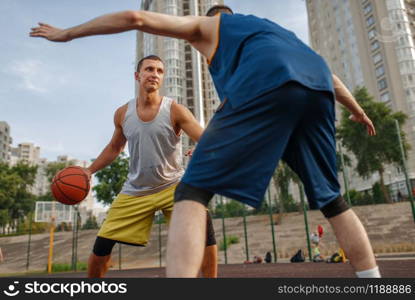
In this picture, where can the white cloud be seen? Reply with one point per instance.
(35, 76)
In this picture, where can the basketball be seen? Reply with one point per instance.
(70, 185)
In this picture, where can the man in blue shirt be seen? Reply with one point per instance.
(277, 103)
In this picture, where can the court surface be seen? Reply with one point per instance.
(391, 268)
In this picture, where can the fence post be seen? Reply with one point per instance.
(224, 231)
(29, 241)
(271, 219)
(408, 183)
(305, 220)
(345, 175)
(245, 233)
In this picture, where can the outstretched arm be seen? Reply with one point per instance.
(174, 26)
(114, 147)
(196, 30)
(344, 97)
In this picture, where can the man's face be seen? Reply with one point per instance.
(150, 76)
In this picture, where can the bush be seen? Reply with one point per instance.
(229, 241)
(377, 194)
(91, 223)
(359, 198)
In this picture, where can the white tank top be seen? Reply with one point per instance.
(155, 151)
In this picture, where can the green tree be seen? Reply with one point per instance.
(347, 161)
(15, 197)
(360, 198)
(91, 223)
(54, 167)
(24, 200)
(282, 177)
(229, 209)
(111, 179)
(4, 219)
(373, 153)
(377, 194)
(9, 183)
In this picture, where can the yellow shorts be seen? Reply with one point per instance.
(130, 218)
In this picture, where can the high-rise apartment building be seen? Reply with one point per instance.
(30, 154)
(187, 77)
(26, 152)
(5, 142)
(371, 43)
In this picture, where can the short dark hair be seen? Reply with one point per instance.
(150, 57)
(217, 9)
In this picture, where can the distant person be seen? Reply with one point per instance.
(277, 102)
(1, 256)
(399, 196)
(257, 260)
(268, 257)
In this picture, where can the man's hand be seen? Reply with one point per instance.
(50, 33)
(364, 119)
(88, 172)
(190, 152)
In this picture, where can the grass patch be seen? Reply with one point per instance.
(58, 267)
(232, 239)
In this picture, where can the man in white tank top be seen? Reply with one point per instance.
(152, 125)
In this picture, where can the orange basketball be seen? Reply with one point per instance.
(70, 185)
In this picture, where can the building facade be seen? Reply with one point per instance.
(26, 152)
(371, 43)
(5, 142)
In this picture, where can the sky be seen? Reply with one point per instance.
(62, 96)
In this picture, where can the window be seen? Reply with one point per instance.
(372, 33)
(370, 21)
(375, 45)
(377, 58)
(382, 84)
(380, 71)
(385, 97)
(367, 9)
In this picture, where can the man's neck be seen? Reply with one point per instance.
(149, 99)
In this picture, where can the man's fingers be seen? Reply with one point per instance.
(44, 24)
(38, 35)
(371, 130)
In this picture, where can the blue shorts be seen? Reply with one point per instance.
(240, 149)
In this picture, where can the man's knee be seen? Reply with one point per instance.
(187, 192)
(103, 246)
(335, 208)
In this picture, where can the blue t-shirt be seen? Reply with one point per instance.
(255, 56)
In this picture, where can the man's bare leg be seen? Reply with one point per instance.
(210, 262)
(353, 239)
(186, 239)
(98, 265)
